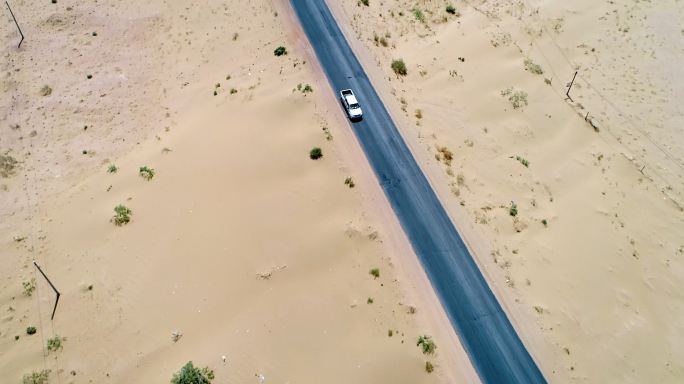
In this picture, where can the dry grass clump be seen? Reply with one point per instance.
(381, 40)
(8, 165)
(419, 15)
(444, 155)
(429, 367)
(45, 90)
(518, 99)
(36, 377)
(533, 67)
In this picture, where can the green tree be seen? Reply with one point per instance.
(190, 374)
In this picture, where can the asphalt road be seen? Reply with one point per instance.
(490, 340)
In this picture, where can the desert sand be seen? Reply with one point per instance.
(242, 254)
(572, 208)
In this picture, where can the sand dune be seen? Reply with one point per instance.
(239, 246)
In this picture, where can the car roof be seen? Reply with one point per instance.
(351, 99)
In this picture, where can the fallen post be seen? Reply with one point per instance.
(17, 23)
(53, 287)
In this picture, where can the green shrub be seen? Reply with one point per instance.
(233, 91)
(451, 10)
(399, 67)
(375, 272)
(307, 89)
(390, 333)
(523, 161)
(112, 168)
(122, 215)
(280, 51)
(54, 344)
(29, 287)
(427, 344)
(31, 330)
(545, 222)
(315, 153)
(364, 2)
(349, 182)
(146, 173)
(190, 374)
(370, 300)
(513, 210)
(36, 377)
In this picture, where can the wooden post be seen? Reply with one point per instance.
(15, 22)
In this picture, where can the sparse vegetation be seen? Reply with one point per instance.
(390, 333)
(375, 272)
(235, 36)
(523, 161)
(146, 173)
(364, 2)
(36, 377)
(518, 99)
(54, 344)
(31, 330)
(233, 91)
(380, 40)
(280, 51)
(122, 215)
(370, 300)
(349, 182)
(419, 114)
(513, 210)
(399, 67)
(533, 67)
(190, 374)
(419, 15)
(315, 153)
(545, 222)
(445, 155)
(29, 287)
(429, 367)
(112, 168)
(427, 344)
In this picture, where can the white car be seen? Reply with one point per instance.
(351, 104)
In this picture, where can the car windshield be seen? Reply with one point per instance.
(353, 106)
